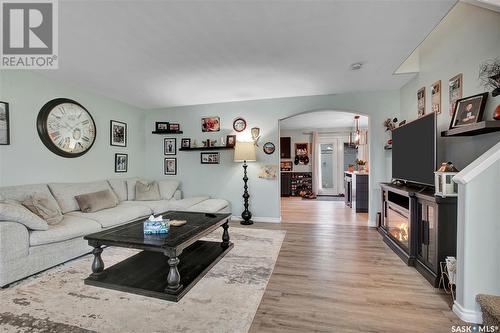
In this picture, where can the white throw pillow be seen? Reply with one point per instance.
(13, 211)
(168, 188)
(131, 188)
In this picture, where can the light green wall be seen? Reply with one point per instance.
(26, 160)
(224, 180)
(465, 38)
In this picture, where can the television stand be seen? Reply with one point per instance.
(419, 227)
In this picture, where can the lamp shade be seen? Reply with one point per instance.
(244, 151)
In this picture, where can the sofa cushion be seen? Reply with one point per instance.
(65, 193)
(114, 216)
(131, 188)
(147, 191)
(119, 186)
(70, 227)
(13, 211)
(158, 206)
(209, 206)
(22, 192)
(185, 204)
(96, 201)
(168, 188)
(45, 207)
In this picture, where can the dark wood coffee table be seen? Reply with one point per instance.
(169, 265)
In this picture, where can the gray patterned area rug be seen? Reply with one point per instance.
(225, 300)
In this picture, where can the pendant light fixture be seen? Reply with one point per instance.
(357, 133)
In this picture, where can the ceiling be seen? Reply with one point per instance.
(155, 54)
(322, 120)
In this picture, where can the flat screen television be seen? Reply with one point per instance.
(414, 151)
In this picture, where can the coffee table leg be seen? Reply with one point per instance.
(97, 264)
(173, 278)
(225, 235)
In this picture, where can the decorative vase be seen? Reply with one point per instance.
(496, 116)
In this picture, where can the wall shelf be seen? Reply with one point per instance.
(205, 148)
(482, 127)
(167, 132)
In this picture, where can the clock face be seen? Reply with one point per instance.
(66, 127)
(239, 124)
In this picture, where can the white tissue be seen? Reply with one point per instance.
(156, 219)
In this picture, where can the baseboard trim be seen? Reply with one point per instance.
(259, 219)
(468, 316)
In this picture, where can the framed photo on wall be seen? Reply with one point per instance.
(162, 126)
(230, 140)
(455, 91)
(169, 146)
(170, 166)
(121, 162)
(210, 158)
(436, 97)
(301, 149)
(174, 127)
(185, 143)
(469, 110)
(118, 133)
(4, 124)
(421, 101)
(210, 124)
(286, 165)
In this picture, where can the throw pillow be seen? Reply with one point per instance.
(13, 211)
(40, 205)
(147, 191)
(96, 201)
(168, 188)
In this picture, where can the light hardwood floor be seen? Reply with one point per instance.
(333, 275)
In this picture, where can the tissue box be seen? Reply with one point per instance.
(156, 227)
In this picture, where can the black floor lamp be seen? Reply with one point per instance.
(245, 152)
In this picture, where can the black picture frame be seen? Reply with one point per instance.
(230, 141)
(185, 143)
(475, 113)
(174, 127)
(113, 134)
(268, 148)
(4, 118)
(168, 147)
(166, 170)
(119, 168)
(162, 126)
(208, 158)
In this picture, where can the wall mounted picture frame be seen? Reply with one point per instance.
(170, 146)
(421, 102)
(118, 133)
(170, 166)
(174, 127)
(210, 124)
(121, 162)
(286, 165)
(436, 97)
(185, 143)
(162, 126)
(239, 124)
(469, 110)
(210, 158)
(454, 91)
(4, 124)
(231, 141)
(302, 149)
(269, 148)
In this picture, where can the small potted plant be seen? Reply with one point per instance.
(350, 168)
(489, 74)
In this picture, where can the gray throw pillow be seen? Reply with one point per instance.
(147, 191)
(13, 211)
(96, 201)
(41, 205)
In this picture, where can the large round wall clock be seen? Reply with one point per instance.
(66, 128)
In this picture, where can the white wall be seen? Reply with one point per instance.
(298, 136)
(26, 160)
(224, 180)
(467, 36)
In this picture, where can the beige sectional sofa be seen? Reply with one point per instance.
(24, 252)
